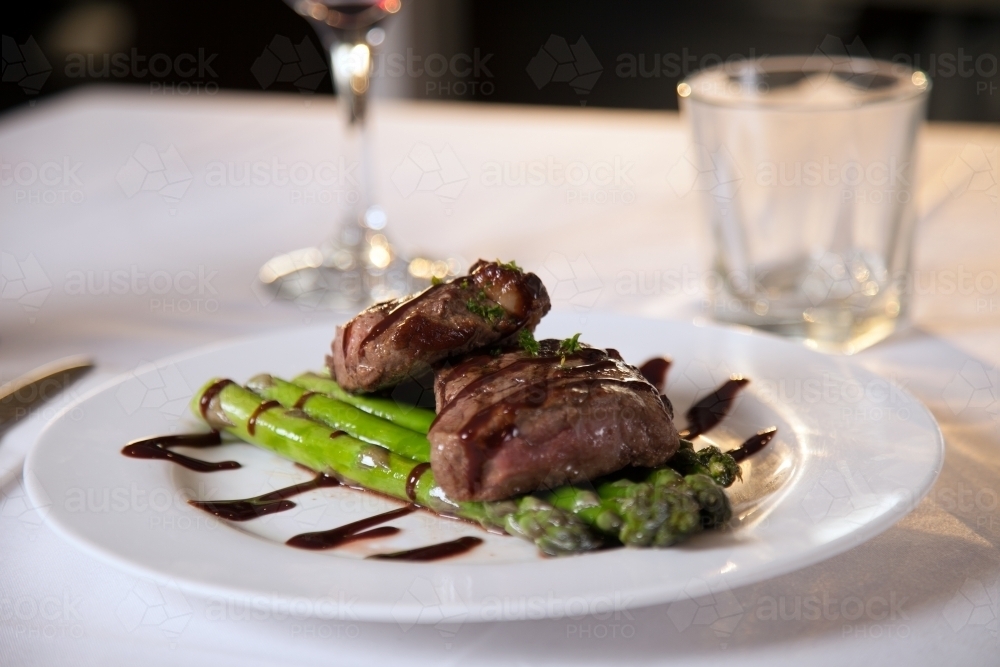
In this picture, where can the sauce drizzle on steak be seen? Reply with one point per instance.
(515, 423)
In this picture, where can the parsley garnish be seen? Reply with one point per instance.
(527, 341)
(568, 346)
(486, 309)
(511, 265)
(435, 280)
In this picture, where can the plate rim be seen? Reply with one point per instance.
(640, 596)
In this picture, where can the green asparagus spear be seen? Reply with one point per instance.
(551, 529)
(710, 461)
(659, 511)
(712, 499)
(653, 514)
(345, 417)
(408, 416)
(586, 504)
(618, 516)
(322, 449)
(715, 509)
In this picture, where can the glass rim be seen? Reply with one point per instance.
(867, 75)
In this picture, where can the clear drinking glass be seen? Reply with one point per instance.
(807, 165)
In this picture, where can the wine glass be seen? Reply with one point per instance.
(358, 265)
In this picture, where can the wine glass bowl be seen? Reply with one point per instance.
(349, 33)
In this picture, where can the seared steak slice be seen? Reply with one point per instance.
(395, 340)
(514, 423)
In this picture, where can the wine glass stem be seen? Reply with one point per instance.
(350, 61)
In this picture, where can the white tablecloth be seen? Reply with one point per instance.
(126, 234)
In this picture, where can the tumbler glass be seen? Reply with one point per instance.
(807, 165)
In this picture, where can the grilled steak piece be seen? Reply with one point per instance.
(401, 339)
(511, 424)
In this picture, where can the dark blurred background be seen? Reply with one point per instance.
(632, 54)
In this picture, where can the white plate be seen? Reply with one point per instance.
(853, 455)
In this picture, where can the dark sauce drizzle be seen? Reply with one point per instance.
(263, 407)
(706, 414)
(655, 370)
(753, 444)
(414, 477)
(433, 552)
(268, 503)
(211, 393)
(299, 404)
(592, 361)
(278, 501)
(327, 539)
(159, 448)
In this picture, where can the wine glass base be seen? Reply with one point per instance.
(329, 279)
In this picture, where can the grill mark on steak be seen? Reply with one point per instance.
(519, 367)
(482, 442)
(420, 334)
(392, 317)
